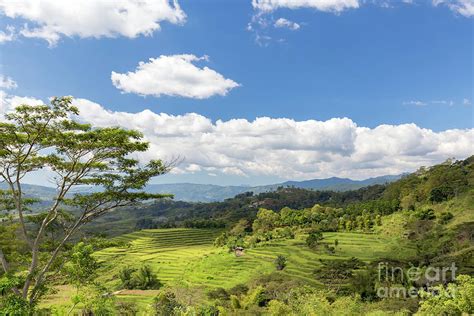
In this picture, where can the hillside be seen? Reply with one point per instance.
(290, 240)
(191, 192)
(187, 259)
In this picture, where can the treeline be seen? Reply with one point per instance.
(415, 191)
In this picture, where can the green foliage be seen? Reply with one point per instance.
(94, 300)
(312, 241)
(333, 272)
(255, 297)
(280, 262)
(126, 308)
(235, 302)
(33, 137)
(142, 279)
(81, 268)
(125, 275)
(454, 299)
(165, 303)
(445, 217)
(425, 214)
(218, 294)
(266, 220)
(14, 305)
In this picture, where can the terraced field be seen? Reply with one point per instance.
(188, 258)
(169, 252)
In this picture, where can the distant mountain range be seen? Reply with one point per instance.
(192, 192)
(209, 193)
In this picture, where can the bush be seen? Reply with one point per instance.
(454, 299)
(277, 308)
(313, 239)
(165, 303)
(126, 308)
(256, 297)
(445, 217)
(234, 302)
(426, 214)
(142, 279)
(207, 310)
(218, 294)
(239, 289)
(125, 276)
(280, 262)
(329, 249)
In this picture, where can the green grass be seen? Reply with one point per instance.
(186, 258)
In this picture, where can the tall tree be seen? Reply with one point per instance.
(35, 137)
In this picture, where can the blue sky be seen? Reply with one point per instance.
(376, 64)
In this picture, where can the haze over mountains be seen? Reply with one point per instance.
(192, 192)
(209, 193)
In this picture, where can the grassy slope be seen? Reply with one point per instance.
(187, 258)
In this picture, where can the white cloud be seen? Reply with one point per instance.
(284, 23)
(283, 147)
(9, 102)
(321, 5)
(437, 102)
(7, 83)
(415, 102)
(174, 75)
(8, 35)
(52, 19)
(462, 7)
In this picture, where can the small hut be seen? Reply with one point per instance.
(239, 251)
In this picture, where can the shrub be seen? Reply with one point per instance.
(313, 239)
(277, 308)
(218, 294)
(455, 299)
(426, 214)
(280, 262)
(126, 308)
(207, 310)
(165, 303)
(125, 276)
(234, 302)
(445, 217)
(256, 297)
(239, 289)
(329, 249)
(143, 278)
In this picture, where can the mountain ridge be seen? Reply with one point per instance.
(194, 192)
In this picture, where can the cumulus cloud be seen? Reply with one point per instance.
(281, 146)
(52, 19)
(284, 23)
(285, 147)
(174, 75)
(321, 5)
(9, 102)
(7, 83)
(462, 7)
